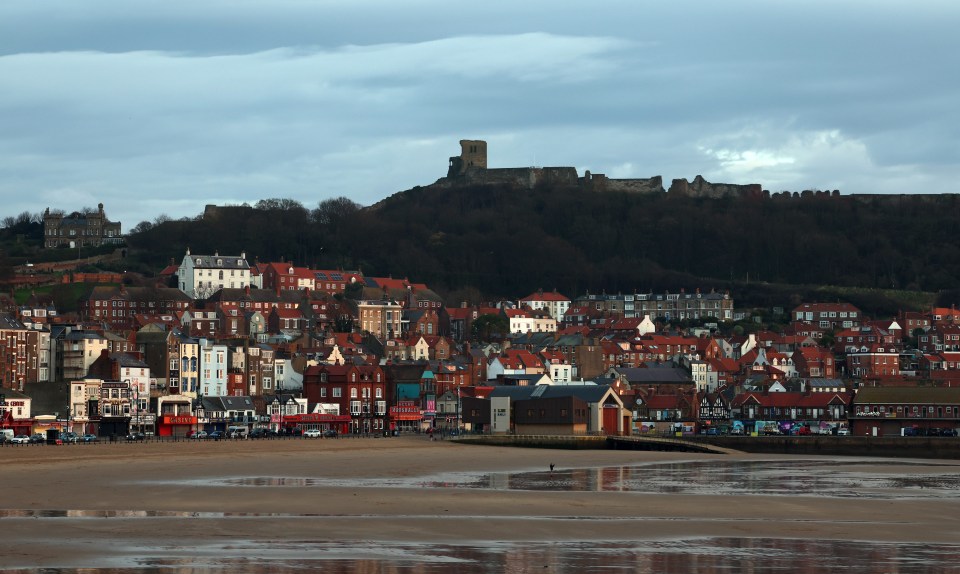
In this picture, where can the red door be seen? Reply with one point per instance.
(610, 420)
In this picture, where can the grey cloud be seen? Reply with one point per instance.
(173, 104)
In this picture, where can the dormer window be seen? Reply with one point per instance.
(219, 262)
(198, 262)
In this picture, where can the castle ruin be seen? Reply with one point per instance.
(470, 168)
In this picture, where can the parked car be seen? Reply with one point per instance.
(69, 437)
(948, 432)
(136, 436)
(843, 432)
(312, 433)
(216, 435)
(90, 438)
(330, 433)
(198, 434)
(37, 439)
(258, 433)
(21, 439)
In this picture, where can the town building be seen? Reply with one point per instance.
(358, 390)
(828, 315)
(667, 306)
(200, 276)
(24, 354)
(79, 229)
(887, 411)
(381, 318)
(554, 303)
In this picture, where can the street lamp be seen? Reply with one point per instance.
(131, 392)
(280, 406)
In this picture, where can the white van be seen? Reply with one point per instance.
(236, 432)
(8, 433)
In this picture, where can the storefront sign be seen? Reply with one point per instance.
(179, 420)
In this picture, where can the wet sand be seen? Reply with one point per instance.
(119, 498)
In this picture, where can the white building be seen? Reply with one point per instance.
(200, 276)
(213, 368)
(137, 374)
(555, 303)
(528, 321)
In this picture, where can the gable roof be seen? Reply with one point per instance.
(544, 296)
(586, 393)
(660, 375)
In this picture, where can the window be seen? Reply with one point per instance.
(353, 392)
(337, 392)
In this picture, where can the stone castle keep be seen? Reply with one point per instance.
(470, 168)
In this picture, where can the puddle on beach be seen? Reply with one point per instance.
(838, 479)
(703, 556)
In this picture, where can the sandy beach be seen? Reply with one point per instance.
(74, 505)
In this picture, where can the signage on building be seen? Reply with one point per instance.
(179, 420)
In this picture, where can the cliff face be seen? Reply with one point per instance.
(700, 187)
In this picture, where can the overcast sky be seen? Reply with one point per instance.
(160, 107)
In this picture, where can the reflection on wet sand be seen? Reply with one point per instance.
(704, 556)
(313, 521)
(825, 478)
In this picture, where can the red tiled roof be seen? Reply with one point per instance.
(545, 296)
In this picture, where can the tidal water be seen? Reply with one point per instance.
(869, 479)
(702, 556)
(872, 480)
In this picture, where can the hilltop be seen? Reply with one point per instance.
(505, 232)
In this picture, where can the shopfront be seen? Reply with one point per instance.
(406, 416)
(323, 422)
(176, 425)
(19, 426)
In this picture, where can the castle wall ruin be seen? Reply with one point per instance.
(470, 168)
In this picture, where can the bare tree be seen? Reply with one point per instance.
(332, 211)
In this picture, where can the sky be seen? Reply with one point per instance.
(159, 107)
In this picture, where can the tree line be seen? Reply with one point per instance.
(500, 241)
